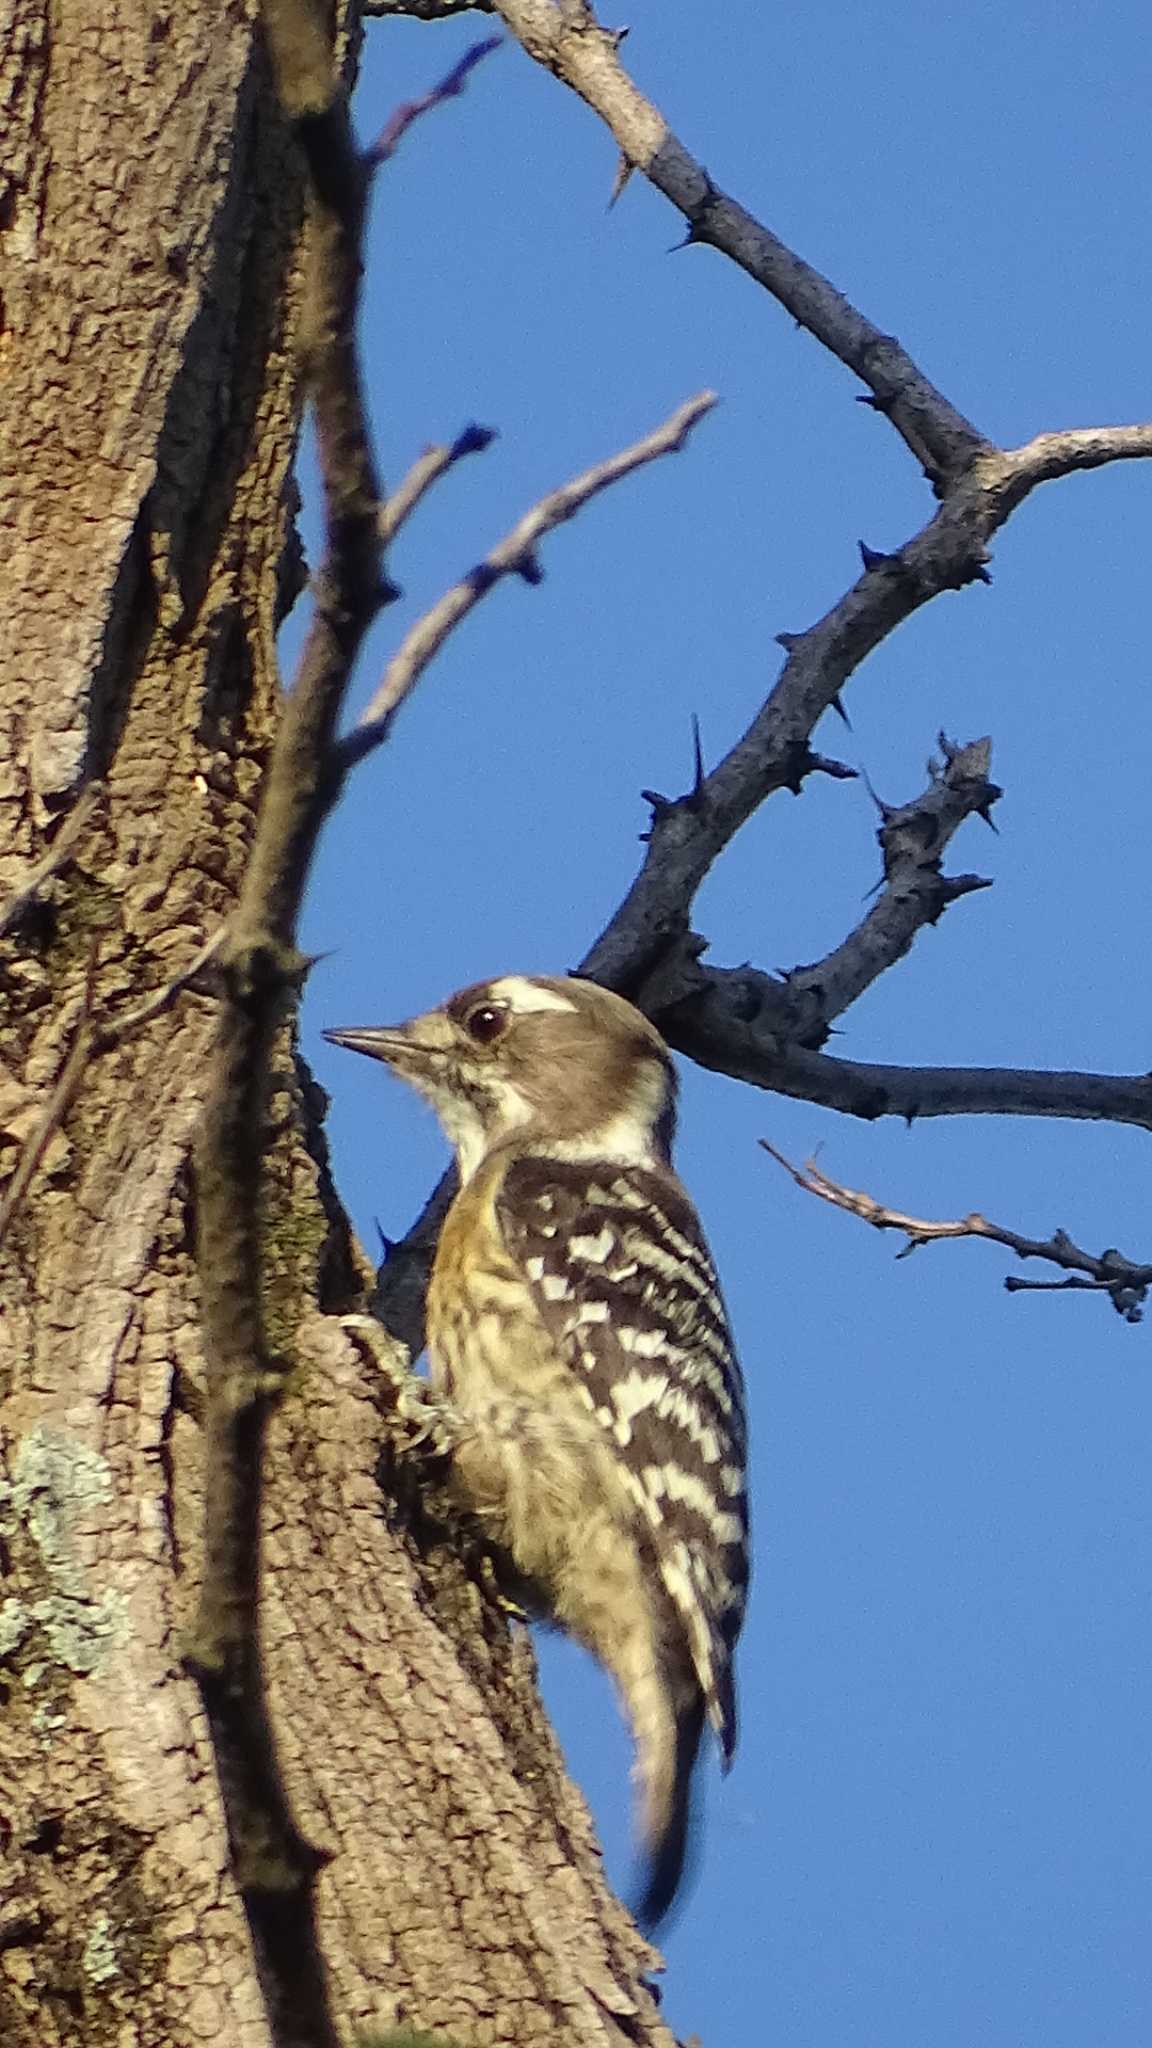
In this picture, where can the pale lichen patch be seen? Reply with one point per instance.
(57, 1482)
(99, 1959)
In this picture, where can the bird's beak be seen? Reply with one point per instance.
(388, 1042)
(416, 1051)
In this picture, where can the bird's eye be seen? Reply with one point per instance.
(485, 1022)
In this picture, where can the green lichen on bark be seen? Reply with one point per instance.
(99, 1958)
(56, 1483)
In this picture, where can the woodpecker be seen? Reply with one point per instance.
(578, 1337)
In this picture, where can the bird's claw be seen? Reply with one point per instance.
(432, 1427)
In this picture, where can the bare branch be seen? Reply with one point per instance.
(733, 1047)
(569, 41)
(63, 1094)
(515, 555)
(1125, 1282)
(275, 1866)
(758, 1028)
(698, 1005)
(259, 967)
(428, 10)
(1068, 449)
(450, 87)
(91, 1040)
(774, 753)
(59, 853)
(426, 471)
(915, 892)
(162, 999)
(747, 1050)
(979, 485)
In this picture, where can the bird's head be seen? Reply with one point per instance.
(553, 1066)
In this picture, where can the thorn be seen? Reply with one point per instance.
(873, 400)
(873, 558)
(298, 966)
(624, 170)
(796, 766)
(389, 592)
(387, 1244)
(886, 810)
(837, 706)
(820, 764)
(981, 576)
(953, 887)
(660, 804)
(690, 236)
(472, 440)
(482, 577)
(697, 796)
(531, 569)
(788, 641)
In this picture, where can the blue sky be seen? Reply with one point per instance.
(937, 1828)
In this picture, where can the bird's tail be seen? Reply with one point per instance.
(667, 1742)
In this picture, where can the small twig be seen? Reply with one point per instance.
(1067, 449)
(71, 831)
(1125, 1282)
(91, 1041)
(64, 1092)
(450, 87)
(161, 1000)
(515, 555)
(426, 471)
(428, 10)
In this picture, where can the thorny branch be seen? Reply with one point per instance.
(977, 483)
(275, 1867)
(774, 753)
(1124, 1282)
(569, 41)
(259, 968)
(761, 1028)
(769, 1030)
(869, 1089)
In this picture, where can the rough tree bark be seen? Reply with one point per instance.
(150, 406)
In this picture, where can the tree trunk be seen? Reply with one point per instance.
(149, 409)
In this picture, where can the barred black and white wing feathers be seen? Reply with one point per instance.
(625, 1285)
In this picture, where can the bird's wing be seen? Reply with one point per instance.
(625, 1285)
